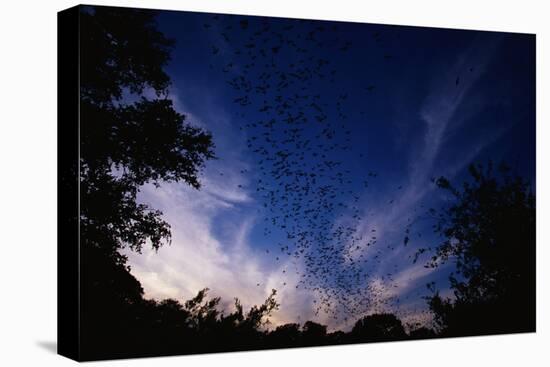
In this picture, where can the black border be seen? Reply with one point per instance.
(68, 295)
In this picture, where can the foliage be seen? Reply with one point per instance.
(489, 232)
(129, 137)
(378, 327)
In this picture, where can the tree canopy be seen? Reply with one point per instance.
(130, 132)
(130, 135)
(489, 233)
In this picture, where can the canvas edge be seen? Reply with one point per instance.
(68, 262)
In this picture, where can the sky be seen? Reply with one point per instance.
(327, 137)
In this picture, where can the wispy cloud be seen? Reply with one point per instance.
(211, 235)
(211, 227)
(440, 108)
(439, 113)
(198, 258)
(389, 211)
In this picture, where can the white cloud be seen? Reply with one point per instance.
(439, 114)
(210, 246)
(197, 258)
(211, 233)
(443, 112)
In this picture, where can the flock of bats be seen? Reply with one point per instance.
(284, 76)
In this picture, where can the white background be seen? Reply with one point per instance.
(28, 182)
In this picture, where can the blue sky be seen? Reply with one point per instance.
(378, 111)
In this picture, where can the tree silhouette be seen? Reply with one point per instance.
(421, 332)
(489, 232)
(314, 333)
(378, 327)
(284, 336)
(127, 138)
(130, 135)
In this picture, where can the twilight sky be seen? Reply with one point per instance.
(327, 136)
